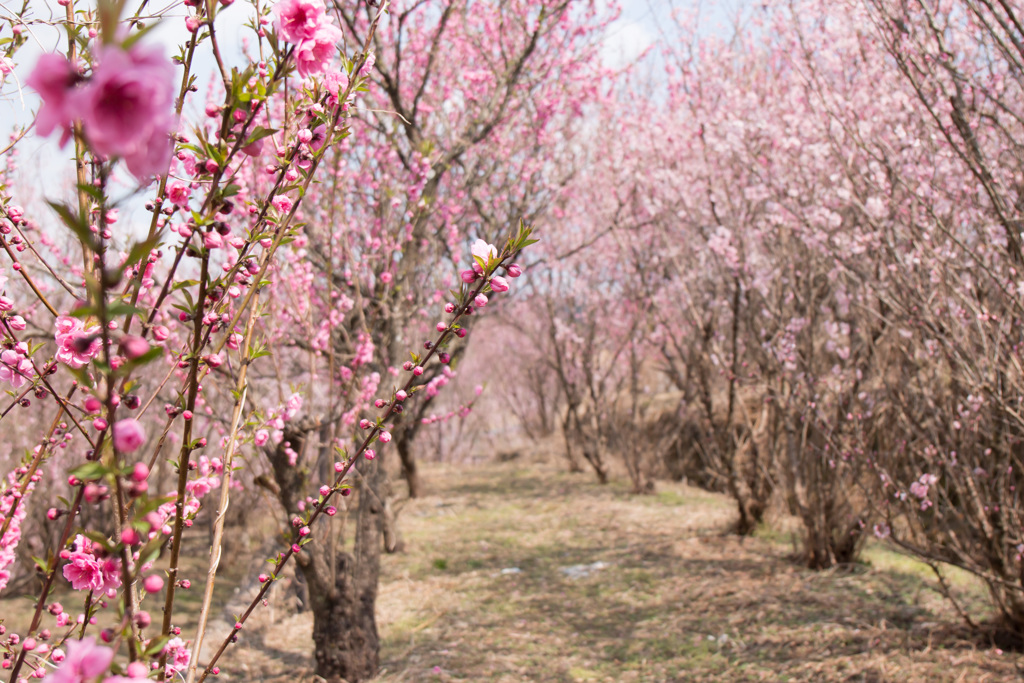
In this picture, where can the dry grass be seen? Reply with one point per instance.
(675, 599)
(672, 600)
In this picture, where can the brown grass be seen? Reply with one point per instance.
(675, 600)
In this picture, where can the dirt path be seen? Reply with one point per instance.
(527, 574)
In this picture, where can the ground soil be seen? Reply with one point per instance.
(516, 572)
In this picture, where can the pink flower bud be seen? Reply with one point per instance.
(441, 327)
(385, 436)
(325, 490)
(133, 346)
(418, 370)
(128, 435)
(468, 276)
(400, 395)
(498, 284)
(161, 333)
(330, 510)
(92, 404)
(370, 454)
(153, 583)
(140, 472)
(449, 307)
(514, 270)
(480, 300)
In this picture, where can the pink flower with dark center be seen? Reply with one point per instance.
(53, 78)
(298, 20)
(127, 108)
(76, 346)
(314, 55)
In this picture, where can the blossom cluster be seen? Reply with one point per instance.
(305, 23)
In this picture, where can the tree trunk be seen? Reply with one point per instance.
(409, 470)
(345, 637)
(347, 645)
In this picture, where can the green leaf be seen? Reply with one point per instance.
(139, 251)
(90, 471)
(75, 224)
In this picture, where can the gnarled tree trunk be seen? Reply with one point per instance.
(343, 597)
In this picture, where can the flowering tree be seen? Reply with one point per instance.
(216, 289)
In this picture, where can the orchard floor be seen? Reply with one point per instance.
(518, 572)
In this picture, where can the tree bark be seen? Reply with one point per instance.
(409, 469)
(345, 637)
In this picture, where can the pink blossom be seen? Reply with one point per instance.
(15, 368)
(179, 193)
(53, 79)
(10, 540)
(499, 284)
(336, 82)
(314, 55)
(261, 437)
(179, 657)
(282, 203)
(84, 661)
(127, 108)
(484, 251)
(298, 20)
(128, 435)
(74, 346)
(85, 571)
